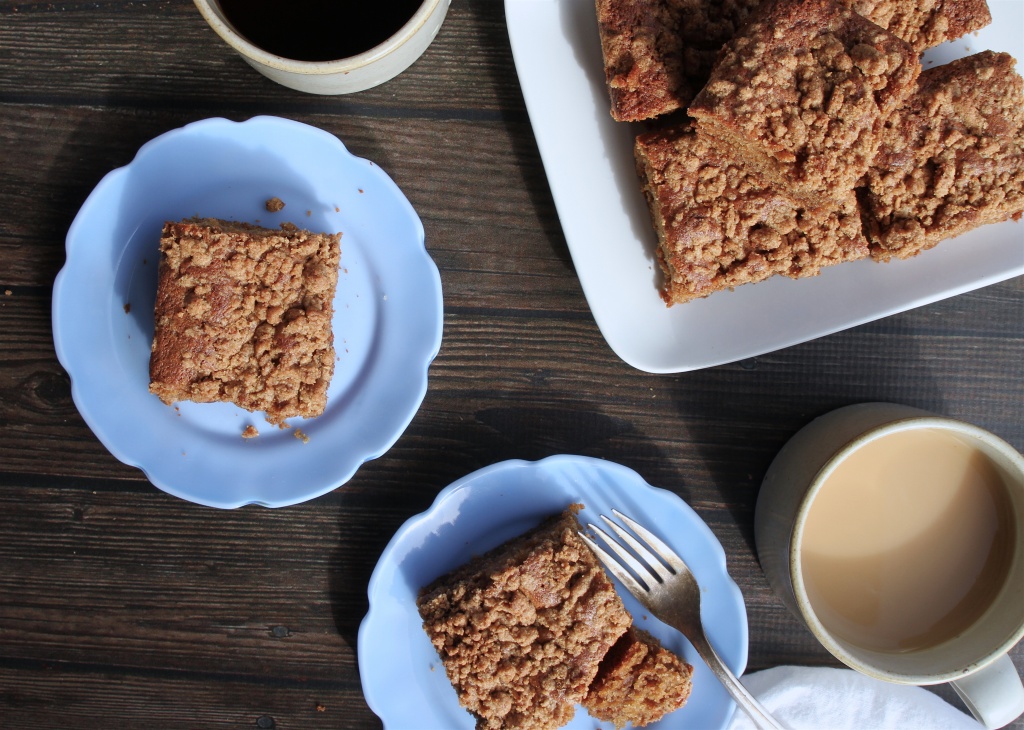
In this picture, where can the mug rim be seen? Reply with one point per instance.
(820, 632)
(212, 13)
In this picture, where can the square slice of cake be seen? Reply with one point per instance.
(951, 160)
(522, 629)
(243, 315)
(719, 226)
(639, 682)
(801, 94)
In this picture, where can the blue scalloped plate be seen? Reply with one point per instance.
(387, 322)
(403, 679)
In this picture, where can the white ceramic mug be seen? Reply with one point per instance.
(975, 661)
(342, 76)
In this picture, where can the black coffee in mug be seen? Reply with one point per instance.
(318, 30)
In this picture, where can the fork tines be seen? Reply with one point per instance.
(651, 571)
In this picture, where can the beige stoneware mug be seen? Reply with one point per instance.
(342, 76)
(918, 581)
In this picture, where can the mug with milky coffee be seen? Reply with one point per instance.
(896, 536)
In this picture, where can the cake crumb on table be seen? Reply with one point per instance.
(301, 436)
(250, 432)
(275, 205)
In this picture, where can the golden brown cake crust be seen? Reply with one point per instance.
(952, 19)
(925, 23)
(659, 53)
(800, 95)
(639, 682)
(951, 160)
(719, 227)
(522, 629)
(243, 315)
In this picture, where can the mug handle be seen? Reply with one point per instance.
(994, 694)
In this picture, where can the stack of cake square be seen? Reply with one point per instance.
(813, 137)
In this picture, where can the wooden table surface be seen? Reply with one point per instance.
(123, 607)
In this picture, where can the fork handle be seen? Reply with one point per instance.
(761, 717)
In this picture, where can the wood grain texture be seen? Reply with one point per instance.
(123, 607)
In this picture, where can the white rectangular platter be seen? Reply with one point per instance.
(588, 159)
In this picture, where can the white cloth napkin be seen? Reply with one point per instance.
(823, 698)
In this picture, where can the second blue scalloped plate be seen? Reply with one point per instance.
(403, 679)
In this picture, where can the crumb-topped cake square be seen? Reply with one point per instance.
(949, 161)
(522, 629)
(243, 315)
(801, 94)
(718, 226)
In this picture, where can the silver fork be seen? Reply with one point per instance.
(671, 593)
